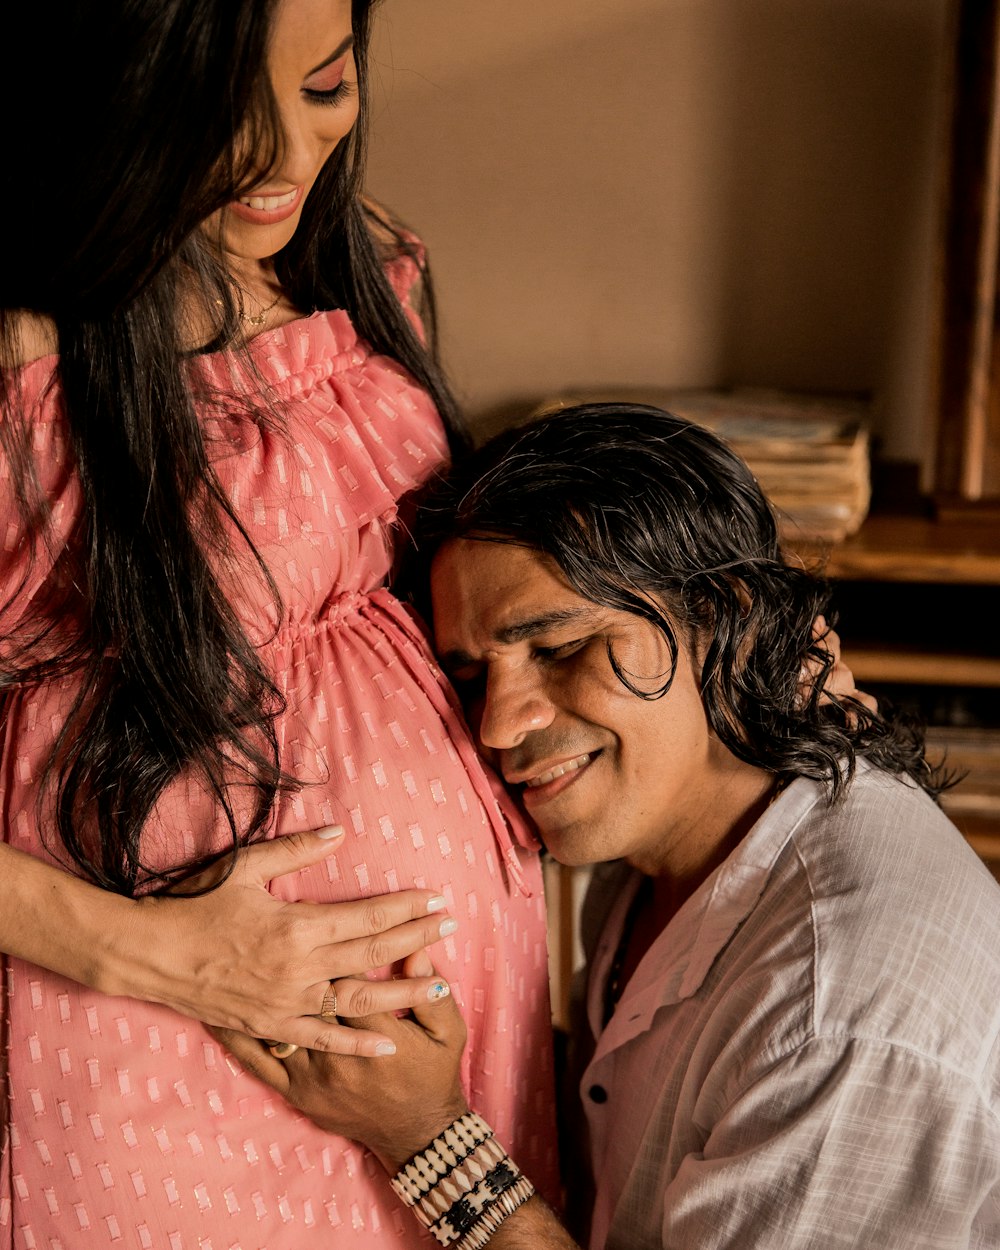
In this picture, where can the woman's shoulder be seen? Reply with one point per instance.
(391, 237)
(29, 376)
(33, 337)
(403, 257)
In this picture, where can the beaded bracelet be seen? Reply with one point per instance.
(463, 1185)
(491, 1219)
(450, 1148)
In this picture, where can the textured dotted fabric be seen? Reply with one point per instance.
(124, 1124)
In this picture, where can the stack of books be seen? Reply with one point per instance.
(810, 454)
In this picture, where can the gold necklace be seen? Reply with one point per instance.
(261, 317)
(257, 319)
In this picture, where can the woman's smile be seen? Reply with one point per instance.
(267, 209)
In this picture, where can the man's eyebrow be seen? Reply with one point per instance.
(518, 631)
(337, 52)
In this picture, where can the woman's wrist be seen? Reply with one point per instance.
(60, 922)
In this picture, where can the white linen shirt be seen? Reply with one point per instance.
(807, 1056)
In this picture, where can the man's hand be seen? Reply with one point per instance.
(395, 1105)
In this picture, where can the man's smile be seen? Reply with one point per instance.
(543, 781)
(540, 779)
(602, 771)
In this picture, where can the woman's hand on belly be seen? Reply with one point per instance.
(240, 958)
(394, 1105)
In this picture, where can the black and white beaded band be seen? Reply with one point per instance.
(450, 1148)
(463, 1185)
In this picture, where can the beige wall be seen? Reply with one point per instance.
(671, 192)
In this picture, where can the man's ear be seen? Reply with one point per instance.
(700, 637)
(742, 594)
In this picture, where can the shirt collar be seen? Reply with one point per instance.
(679, 960)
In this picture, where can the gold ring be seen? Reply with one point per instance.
(328, 1011)
(281, 1050)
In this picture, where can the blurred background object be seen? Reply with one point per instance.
(962, 469)
(673, 193)
(809, 453)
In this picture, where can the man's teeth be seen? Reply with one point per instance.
(268, 203)
(559, 771)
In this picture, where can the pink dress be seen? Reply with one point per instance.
(125, 1125)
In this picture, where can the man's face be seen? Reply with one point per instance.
(603, 773)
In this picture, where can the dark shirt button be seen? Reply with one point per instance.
(598, 1093)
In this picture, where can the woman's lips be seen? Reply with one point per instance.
(267, 210)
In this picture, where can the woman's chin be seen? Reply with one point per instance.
(246, 241)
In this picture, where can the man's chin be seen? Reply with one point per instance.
(565, 843)
(566, 849)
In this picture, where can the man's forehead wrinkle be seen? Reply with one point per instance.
(518, 631)
(458, 657)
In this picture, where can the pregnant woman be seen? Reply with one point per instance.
(216, 392)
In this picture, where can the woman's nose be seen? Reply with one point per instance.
(301, 155)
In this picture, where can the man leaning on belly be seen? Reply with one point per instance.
(790, 1032)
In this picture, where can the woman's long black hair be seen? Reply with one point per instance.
(646, 513)
(130, 123)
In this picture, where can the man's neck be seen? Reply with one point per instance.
(679, 875)
(684, 859)
(690, 851)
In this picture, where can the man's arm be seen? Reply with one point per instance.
(396, 1106)
(532, 1227)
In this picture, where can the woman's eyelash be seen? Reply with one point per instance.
(334, 95)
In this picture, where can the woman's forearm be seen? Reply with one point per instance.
(237, 956)
(60, 922)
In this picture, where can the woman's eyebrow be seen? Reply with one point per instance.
(339, 51)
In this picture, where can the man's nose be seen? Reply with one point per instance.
(512, 708)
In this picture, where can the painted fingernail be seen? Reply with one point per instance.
(438, 990)
(437, 903)
(448, 926)
(331, 831)
(385, 1048)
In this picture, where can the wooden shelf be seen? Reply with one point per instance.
(987, 847)
(901, 548)
(898, 572)
(925, 668)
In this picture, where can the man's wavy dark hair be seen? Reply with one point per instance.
(643, 511)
